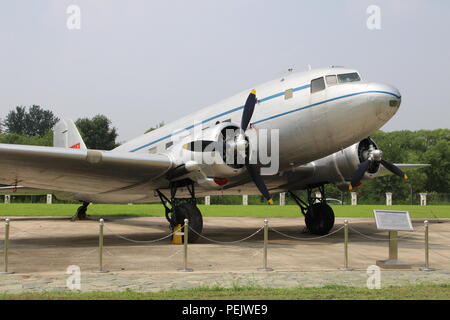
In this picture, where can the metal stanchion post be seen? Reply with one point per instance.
(5, 249)
(100, 249)
(427, 256)
(266, 240)
(186, 239)
(346, 267)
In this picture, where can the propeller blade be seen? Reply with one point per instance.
(249, 107)
(259, 182)
(394, 169)
(359, 173)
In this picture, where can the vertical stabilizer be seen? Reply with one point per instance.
(66, 135)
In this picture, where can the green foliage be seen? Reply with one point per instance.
(423, 146)
(35, 121)
(97, 132)
(36, 140)
(159, 125)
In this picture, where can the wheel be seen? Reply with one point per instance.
(319, 218)
(192, 213)
(81, 213)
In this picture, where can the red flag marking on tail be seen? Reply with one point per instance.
(76, 146)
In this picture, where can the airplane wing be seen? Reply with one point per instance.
(405, 167)
(75, 170)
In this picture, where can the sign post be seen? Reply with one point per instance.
(393, 221)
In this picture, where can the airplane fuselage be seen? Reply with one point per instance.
(314, 120)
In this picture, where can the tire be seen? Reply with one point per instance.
(319, 218)
(192, 213)
(81, 213)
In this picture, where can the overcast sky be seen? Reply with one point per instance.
(141, 62)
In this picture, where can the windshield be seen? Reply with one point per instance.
(348, 77)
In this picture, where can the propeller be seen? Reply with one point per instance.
(374, 158)
(249, 107)
(241, 145)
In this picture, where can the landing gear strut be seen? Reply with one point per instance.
(81, 212)
(178, 209)
(319, 217)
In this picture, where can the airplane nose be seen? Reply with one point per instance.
(385, 98)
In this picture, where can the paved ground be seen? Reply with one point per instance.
(41, 249)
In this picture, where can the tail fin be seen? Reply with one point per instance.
(66, 135)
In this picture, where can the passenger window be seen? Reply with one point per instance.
(317, 85)
(331, 80)
(169, 144)
(348, 77)
(288, 94)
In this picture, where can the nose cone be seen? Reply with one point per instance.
(385, 99)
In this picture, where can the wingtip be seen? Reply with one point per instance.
(270, 201)
(253, 92)
(405, 177)
(350, 188)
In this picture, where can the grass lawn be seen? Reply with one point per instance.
(156, 210)
(421, 292)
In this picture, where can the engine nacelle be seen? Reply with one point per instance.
(203, 150)
(339, 167)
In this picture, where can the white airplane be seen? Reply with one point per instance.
(323, 117)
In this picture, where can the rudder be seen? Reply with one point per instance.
(66, 135)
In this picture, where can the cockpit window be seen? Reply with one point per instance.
(348, 77)
(317, 85)
(331, 80)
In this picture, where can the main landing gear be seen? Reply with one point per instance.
(81, 212)
(178, 209)
(319, 217)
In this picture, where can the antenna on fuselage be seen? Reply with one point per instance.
(285, 74)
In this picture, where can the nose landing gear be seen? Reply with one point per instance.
(319, 216)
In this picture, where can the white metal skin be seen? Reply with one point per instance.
(317, 132)
(305, 135)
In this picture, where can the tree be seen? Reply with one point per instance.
(15, 121)
(423, 146)
(39, 121)
(35, 121)
(159, 125)
(97, 132)
(36, 140)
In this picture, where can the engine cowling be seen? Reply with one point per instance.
(205, 151)
(339, 167)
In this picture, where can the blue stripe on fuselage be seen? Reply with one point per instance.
(266, 119)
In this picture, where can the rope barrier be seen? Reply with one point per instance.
(139, 241)
(439, 254)
(366, 236)
(306, 238)
(226, 242)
